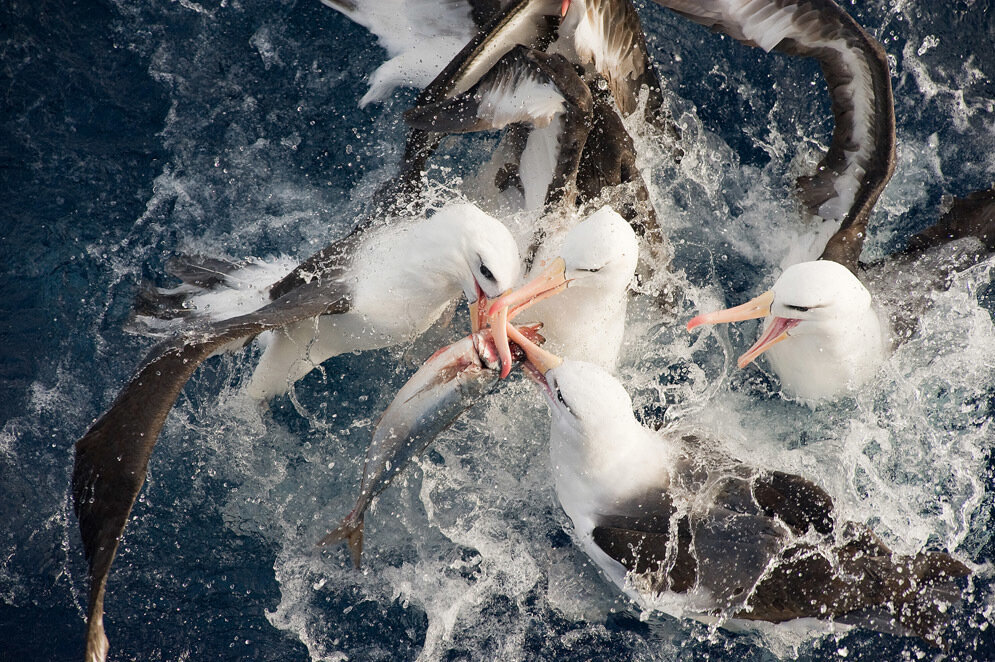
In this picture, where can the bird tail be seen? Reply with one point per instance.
(211, 289)
(350, 530)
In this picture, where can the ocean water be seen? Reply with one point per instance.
(131, 131)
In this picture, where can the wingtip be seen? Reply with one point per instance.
(97, 645)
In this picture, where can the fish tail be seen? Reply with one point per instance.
(356, 544)
(350, 530)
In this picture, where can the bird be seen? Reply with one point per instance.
(678, 524)
(590, 273)
(825, 334)
(377, 286)
(539, 64)
(602, 37)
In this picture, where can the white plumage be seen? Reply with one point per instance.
(587, 320)
(821, 332)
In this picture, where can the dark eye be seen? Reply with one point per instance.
(593, 271)
(800, 309)
(559, 396)
(485, 272)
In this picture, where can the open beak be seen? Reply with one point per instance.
(481, 317)
(551, 281)
(478, 309)
(537, 362)
(564, 7)
(777, 332)
(758, 307)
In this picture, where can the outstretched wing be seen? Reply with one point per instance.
(610, 38)
(112, 457)
(420, 37)
(861, 157)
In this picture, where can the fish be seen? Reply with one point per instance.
(452, 380)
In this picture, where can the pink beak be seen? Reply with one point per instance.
(551, 281)
(758, 307)
(777, 332)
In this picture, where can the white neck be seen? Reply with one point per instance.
(594, 470)
(843, 356)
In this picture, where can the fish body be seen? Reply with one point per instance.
(449, 383)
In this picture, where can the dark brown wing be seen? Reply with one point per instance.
(530, 23)
(904, 283)
(861, 157)
(112, 457)
(525, 86)
(618, 53)
(860, 581)
(796, 501)
(638, 535)
(750, 548)
(971, 216)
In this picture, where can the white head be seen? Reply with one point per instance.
(821, 332)
(600, 253)
(819, 291)
(485, 258)
(586, 398)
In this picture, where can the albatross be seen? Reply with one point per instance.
(378, 286)
(590, 274)
(534, 69)
(679, 525)
(824, 333)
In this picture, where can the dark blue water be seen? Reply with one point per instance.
(130, 131)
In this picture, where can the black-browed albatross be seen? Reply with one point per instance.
(380, 285)
(824, 333)
(680, 526)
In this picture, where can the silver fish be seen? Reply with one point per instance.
(449, 383)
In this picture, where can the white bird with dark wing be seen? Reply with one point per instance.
(533, 69)
(378, 286)
(824, 335)
(590, 275)
(680, 526)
